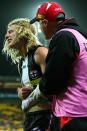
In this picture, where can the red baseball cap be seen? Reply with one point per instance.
(47, 11)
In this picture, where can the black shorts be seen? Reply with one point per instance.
(40, 121)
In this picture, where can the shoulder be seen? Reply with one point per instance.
(63, 34)
(63, 38)
(41, 51)
(40, 54)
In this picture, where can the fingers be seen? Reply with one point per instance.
(20, 93)
(24, 92)
(27, 89)
(18, 89)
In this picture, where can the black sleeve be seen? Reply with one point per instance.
(61, 55)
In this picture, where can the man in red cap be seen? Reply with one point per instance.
(65, 76)
(47, 14)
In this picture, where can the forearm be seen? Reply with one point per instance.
(33, 98)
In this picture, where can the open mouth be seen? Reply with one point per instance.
(9, 40)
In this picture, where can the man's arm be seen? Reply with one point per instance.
(40, 57)
(61, 55)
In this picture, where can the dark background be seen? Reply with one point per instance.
(10, 9)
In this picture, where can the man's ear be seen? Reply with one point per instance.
(45, 22)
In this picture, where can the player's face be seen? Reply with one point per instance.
(11, 35)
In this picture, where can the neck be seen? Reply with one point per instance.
(52, 27)
(24, 52)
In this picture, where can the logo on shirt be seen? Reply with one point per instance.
(33, 74)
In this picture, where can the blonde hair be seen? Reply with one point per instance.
(24, 30)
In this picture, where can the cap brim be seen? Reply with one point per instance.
(33, 21)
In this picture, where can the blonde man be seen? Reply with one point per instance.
(22, 45)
